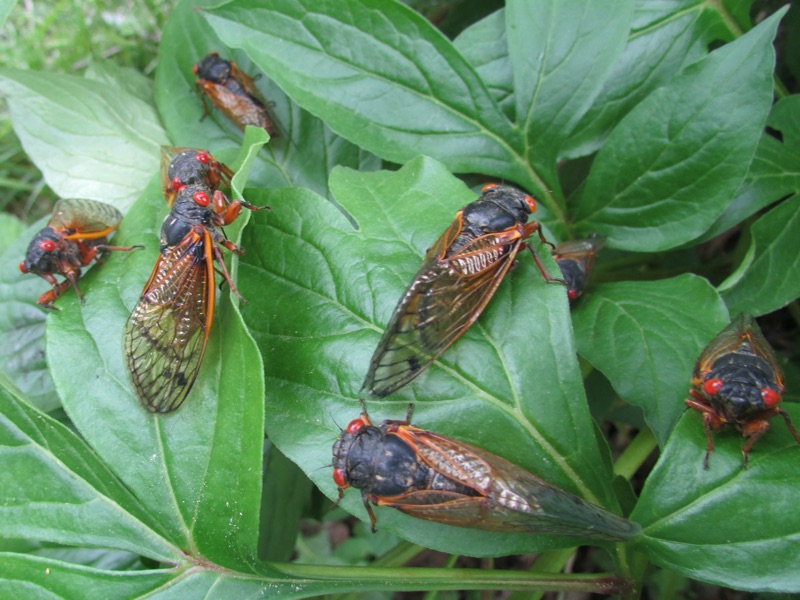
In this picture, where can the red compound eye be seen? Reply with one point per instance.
(770, 397)
(712, 386)
(338, 478)
(177, 184)
(572, 294)
(201, 198)
(47, 245)
(488, 186)
(203, 158)
(531, 203)
(355, 425)
(22, 266)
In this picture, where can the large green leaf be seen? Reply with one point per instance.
(561, 54)
(321, 293)
(664, 38)
(197, 470)
(763, 282)
(726, 525)
(53, 488)
(89, 139)
(773, 173)
(303, 153)
(670, 167)
(646, 342)
(380, 75)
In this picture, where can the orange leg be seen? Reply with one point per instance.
(710, 422)
(753, 431)
(789, 423)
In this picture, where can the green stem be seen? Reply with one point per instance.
(635, 454)
(549, 562)
(344, 579)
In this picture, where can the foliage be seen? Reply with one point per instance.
(621, 122)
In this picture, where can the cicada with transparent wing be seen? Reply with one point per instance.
(233, 92)
(737, 380)
(75, 235)
(435, 477)
(190, 166)
(457, 279)
(167, 332)
(575, 259)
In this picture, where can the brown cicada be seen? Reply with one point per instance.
(166, 334)
(457, 279)
(76, 235)
(737, 380)
(434, 477)
(233, 92)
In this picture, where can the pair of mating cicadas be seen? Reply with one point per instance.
(166, 334)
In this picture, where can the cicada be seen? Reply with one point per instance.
(233, 92)
(457, 279)
(435, 477)
(575, 258)
(76, 235)
(737, 380)
(166, 334)
(187, 166)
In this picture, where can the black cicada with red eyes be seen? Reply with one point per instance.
(575, 259)
(458, 277)
(167, 332)
(76, 235)
(434, 477)
(737, 380)
(190, 166)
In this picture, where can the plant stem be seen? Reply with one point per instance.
(635, 454)
(344, 579)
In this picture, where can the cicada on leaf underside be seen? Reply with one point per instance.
(234, 93)
(737, 380)
(167, 332)
(75, 235)
(435, 477)
(575, 259)
(458, 277)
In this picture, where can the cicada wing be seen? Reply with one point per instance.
(84, 219)
(515, 500)
(445, 297)
(760, 345)
(166, 334)
(240, 110)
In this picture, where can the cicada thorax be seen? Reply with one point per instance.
(48, 251)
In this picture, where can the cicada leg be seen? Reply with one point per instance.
(789, 423)
(710, 421)
(753, 430)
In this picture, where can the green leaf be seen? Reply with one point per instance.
(23, 576)
(646, 343)
(197, 470)
(90, 140)
(512, 379)
(689, 513)
(484, 45)
(762, 283)
(10, 229)
(126, 79)
(664, 39)
(668, 170)
(561, 54)
(53, 488)
(773, 173)
(303, 153)
(22, 353)
(380, 75)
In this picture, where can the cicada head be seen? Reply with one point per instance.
(213, 68)
(43, 253)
